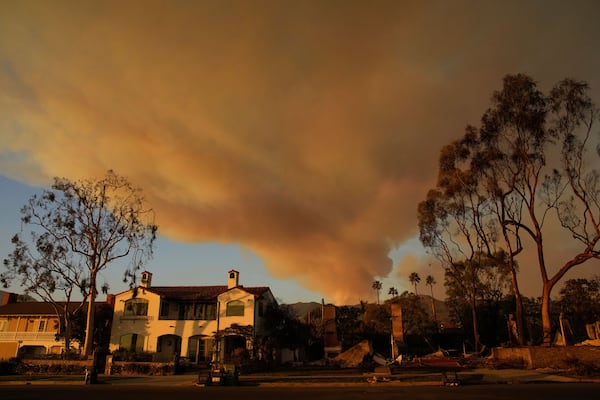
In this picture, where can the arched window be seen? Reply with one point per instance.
(137, 307)
(235, 308)
(132, 342)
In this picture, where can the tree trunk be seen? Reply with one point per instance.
(89, 326)
(67, 333)
(546, 321)
(515, 284)
(546, 290)
(518, 304)
(433, 306)
(475, 328)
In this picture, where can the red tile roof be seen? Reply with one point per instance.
(35, 308)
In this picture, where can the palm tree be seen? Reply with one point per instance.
(414, 279)
(393, 292)
(377, 285)
(430, 281)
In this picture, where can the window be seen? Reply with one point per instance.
(3, 325)
(132, 342)
(137, 307)
(261, 309)
(211, 311)
(164, 309)
(235, 308)
(199, 348)
(42, 326)
(186, 311)
(206, 311)
(199, 311)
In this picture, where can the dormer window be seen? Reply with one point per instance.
(136, 307)
(235, 308)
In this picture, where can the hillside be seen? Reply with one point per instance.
(302, 309)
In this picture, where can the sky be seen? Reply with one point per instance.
(289, 140)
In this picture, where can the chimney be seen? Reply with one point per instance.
(7, 298)
(234, 279)
(146, 279)
(110, 300)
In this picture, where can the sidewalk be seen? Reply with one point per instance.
(477, 376)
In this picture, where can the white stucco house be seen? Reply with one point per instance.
(185, 321)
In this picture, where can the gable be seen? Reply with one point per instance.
(142, 293)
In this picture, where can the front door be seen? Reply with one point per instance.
(168, 347)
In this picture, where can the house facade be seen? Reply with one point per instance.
(29, 328)
(200, 323)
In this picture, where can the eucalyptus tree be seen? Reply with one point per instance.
(531, 163)
(534, 149)
(76, 230)
(454, 227)
(46, 271)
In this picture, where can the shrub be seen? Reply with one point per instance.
(9, 367)
(123, 355)
(142, 368)
(60, 368)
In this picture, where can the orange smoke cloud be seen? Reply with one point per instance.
(307, 132)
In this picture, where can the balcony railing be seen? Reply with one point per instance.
(27, 336)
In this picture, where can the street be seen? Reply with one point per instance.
(546, 391)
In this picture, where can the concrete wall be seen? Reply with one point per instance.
(548, 357)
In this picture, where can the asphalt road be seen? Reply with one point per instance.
(545, 391)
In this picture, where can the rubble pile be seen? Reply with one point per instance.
(355, 355)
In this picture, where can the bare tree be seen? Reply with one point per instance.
(47, 272)
(78, 229)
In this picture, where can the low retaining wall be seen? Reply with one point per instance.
(78, 367)
(139, 368)
(558, 357)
